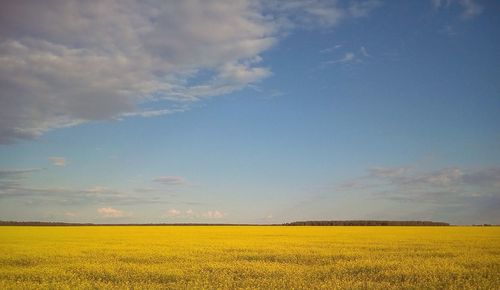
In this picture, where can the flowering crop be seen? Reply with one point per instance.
(235, 257)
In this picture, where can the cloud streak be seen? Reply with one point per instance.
(58, 161)
(72, 196)
(109, 212)
(170, 180)
(468, 188)
(191, 214)
(13, 186)
(16, 173)
(470, 8)
(348, 57)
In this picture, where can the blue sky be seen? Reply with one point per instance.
(254, 112)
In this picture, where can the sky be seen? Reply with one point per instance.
(249, 111)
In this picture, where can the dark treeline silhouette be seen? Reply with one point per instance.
(34, 223)
(14, 223)
(367, 223)
(299, 223)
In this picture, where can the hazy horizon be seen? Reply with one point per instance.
(250, 111)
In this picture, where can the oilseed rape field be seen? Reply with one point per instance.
(249, 257)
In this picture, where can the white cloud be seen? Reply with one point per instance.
(58, 161)
(470, 8)
(191, 214)
(213, 214)
(170, 180)
(70, 62)
(331, 49)
(349, 56)
(64, 63)
(109, 212)
(173, 212)
(153, 113)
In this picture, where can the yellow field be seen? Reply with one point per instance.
(250, 257)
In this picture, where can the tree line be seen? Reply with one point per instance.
(366, 223)
(297, 223)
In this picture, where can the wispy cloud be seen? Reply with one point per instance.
(388, 172)
(16, 173)
(364, 52)
(14, 188)
(11, 180)
(436, 4)
(109, 212)
(486, 177)
(455, 194)
(16, 185)
(170, 180)
(58, 161)
(448, 30)
(305, 13)
(470, 8)
(407, 183)
(331, 49)
(191, 214)
(363, 8)
(154, 113)
(348, 57)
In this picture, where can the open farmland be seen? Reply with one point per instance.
(195, 257)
